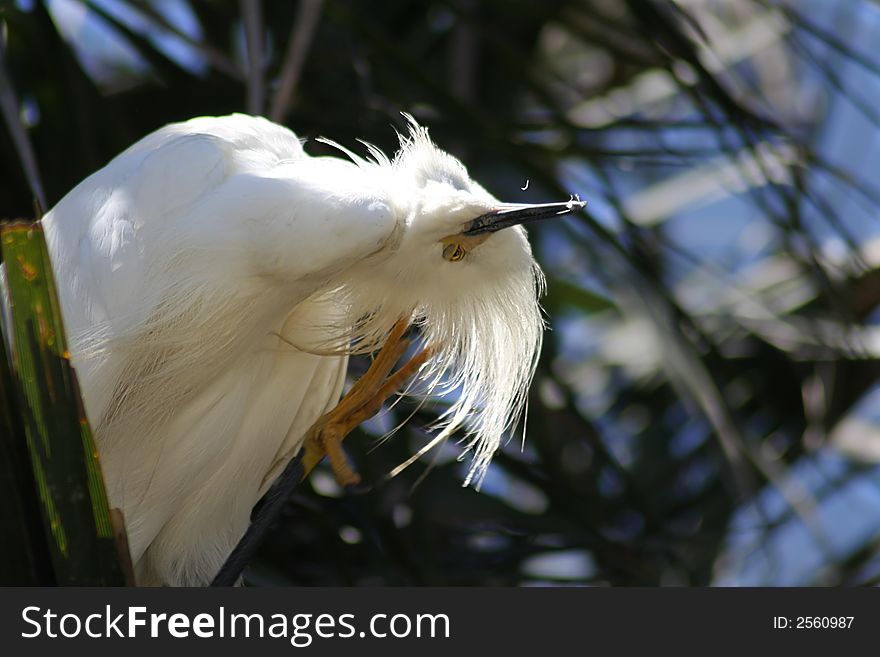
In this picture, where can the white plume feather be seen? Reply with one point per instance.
(486, 327)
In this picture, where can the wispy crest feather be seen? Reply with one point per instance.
(487, 335)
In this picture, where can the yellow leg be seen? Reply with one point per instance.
(362, 402)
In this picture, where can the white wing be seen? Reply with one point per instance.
(175, 264)
(225, 206)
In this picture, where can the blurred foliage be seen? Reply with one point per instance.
(713, 308)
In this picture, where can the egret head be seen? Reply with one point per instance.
(462, 267)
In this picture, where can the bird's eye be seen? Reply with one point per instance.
(453, 252)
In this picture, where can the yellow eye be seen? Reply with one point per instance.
(453, 252)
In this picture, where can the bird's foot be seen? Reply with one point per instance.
(362, 402)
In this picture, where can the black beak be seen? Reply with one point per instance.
(513, 214)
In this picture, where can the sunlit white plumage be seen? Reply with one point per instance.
(212, 277)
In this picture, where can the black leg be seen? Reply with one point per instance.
(267, 512)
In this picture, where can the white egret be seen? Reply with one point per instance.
(213, 279)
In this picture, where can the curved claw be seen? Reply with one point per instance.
(362, 402)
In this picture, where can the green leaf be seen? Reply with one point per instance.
(67, 481)
(23, 559)
(562, 294)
